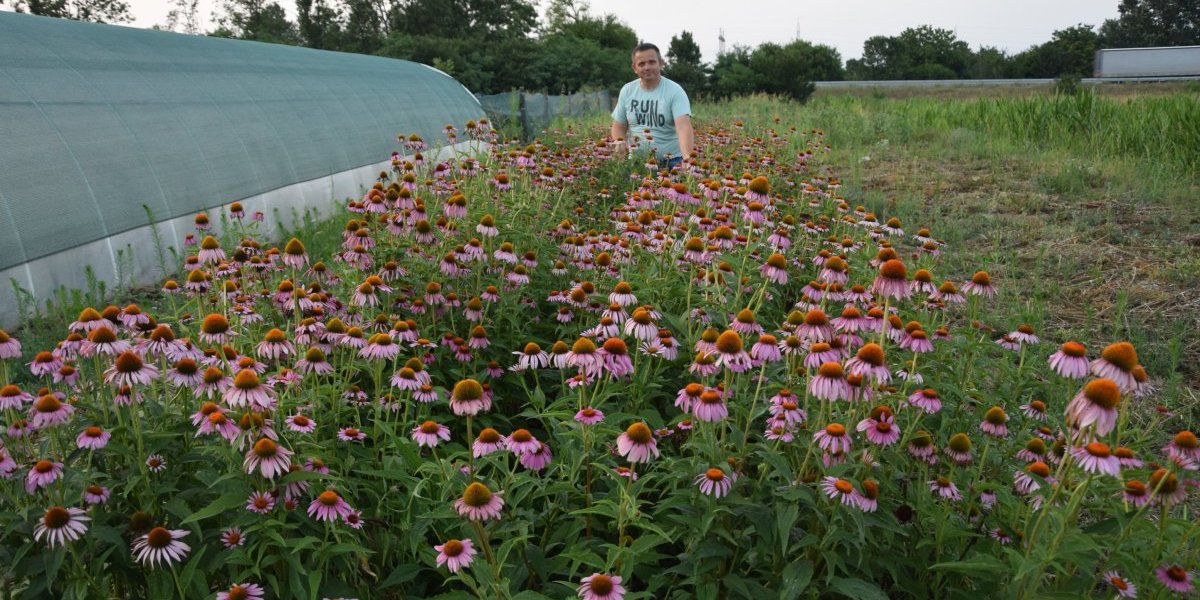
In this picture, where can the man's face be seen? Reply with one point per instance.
(648, 66)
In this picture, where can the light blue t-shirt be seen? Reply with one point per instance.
(655, 110)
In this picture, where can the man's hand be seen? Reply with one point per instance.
(617, 133)
(619, 148)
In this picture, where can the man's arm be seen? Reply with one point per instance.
(618, 133)
(619, 130)
(683, 129)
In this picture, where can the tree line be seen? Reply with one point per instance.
(499, 45)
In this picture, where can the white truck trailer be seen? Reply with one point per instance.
(1175, 61)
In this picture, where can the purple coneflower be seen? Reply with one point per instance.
(260, 502)
(833, 438)
(42, 474)
(489, 440)
(455, 554)
(248, 390)
(468, 398)
(1097, 457)
(232, 538)
(1095, 406)
(710, 407)
(49, 411)
(430, 433)
(870, 362)
(995, 422)
(1175, 578)
(840, 490)
(944, 488)
(959, 448)
(880, 427)
(300, 423)
(926, 399)
(829, 383)
(730, 352)
(96, 494)
(10, 347)
(980, 285)
(92, 438)
(351, 434)
(637, 443)
(268, 457)
(478, 503)
(1122, 586)
(1117, 362)
(156, 463)
(892, 281)
(599, 586)
(538, 459)
(328, 506)
(61, 525)
(589, 416)
(242, 591)
(521, 441)
(161, 545)
(714, 482)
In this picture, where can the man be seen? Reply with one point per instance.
(656, 109)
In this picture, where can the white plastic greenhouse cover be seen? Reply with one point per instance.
(102, 125)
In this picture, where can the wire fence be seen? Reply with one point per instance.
(526, 114)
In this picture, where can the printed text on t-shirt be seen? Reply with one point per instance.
(645, 112)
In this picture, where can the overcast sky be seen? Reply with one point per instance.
(1011, 25)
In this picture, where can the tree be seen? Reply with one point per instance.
(917, 53)
(1153, 23)
(991, 63)
(464, 19)
(259, 20)
(184, 16)
(561, 12)
(790, 70)
(684, 65)
(732, 75)
(364, 26)
(684, 49)
(1070, 51)
(96, 11)
(319, 24)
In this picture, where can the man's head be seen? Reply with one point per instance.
(647, 64)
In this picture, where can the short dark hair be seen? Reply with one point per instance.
(644, 46)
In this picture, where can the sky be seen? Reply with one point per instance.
(1011, 25)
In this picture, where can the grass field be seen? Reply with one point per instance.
(1085, 206)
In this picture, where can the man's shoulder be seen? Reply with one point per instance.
(672, 87)
(629, 87)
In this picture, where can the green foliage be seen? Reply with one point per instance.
(1143, 23)
(1070, 51)
(923, 52)
(258, 20)
(98, 11)
(319, 24)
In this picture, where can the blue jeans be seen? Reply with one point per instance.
(669, 163)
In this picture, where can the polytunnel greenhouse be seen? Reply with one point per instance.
(105, 128)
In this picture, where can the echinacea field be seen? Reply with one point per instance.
(544, 371)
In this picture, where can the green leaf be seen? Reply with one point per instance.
(796, 577)
(401, 574)
(189, 571)
(979, 564)
(784, 518)
(530, 595)
(218, 506)
(857, 589)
